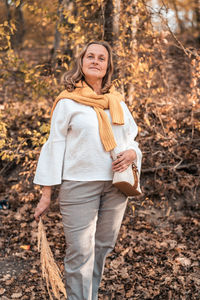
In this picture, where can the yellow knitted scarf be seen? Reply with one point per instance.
(85, 95)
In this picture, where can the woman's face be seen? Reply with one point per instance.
(95, 62)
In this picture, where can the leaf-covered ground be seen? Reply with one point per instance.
(156, 256)
(158, 249)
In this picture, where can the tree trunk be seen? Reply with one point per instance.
(70, 5)
(8, 13)
(20, 30)
(108, 25)
(63, 5)
(197, 15)
(17, 37)
(133, 46)
(116, 17)
(179, 22)
(57, 35)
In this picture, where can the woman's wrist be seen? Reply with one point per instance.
(46, 192)
(134, 155)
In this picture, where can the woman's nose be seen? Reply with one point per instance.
(95, 61)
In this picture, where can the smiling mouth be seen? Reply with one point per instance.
(94, 68)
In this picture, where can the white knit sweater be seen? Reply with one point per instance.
(74, 150)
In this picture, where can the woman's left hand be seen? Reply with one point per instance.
(124, 160)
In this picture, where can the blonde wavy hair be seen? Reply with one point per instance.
(70, 78)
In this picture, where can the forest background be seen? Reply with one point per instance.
(157, 68)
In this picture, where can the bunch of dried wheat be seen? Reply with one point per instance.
(50, 271)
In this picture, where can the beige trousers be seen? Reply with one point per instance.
(92, 213)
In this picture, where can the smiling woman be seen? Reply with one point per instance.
(76, 74)
(89, 119)
(94, 66)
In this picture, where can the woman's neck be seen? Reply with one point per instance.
(95, 85)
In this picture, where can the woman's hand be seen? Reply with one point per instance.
(124, 160)
(44, 202)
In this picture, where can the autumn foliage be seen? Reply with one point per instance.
(157, 74)
(157, 70)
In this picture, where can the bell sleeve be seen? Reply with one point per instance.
(131, 135)
(50, 164)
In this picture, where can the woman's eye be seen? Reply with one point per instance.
(102, 58)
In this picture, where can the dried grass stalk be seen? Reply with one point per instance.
(50, 270)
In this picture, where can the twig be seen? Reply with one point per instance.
(175, 167)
